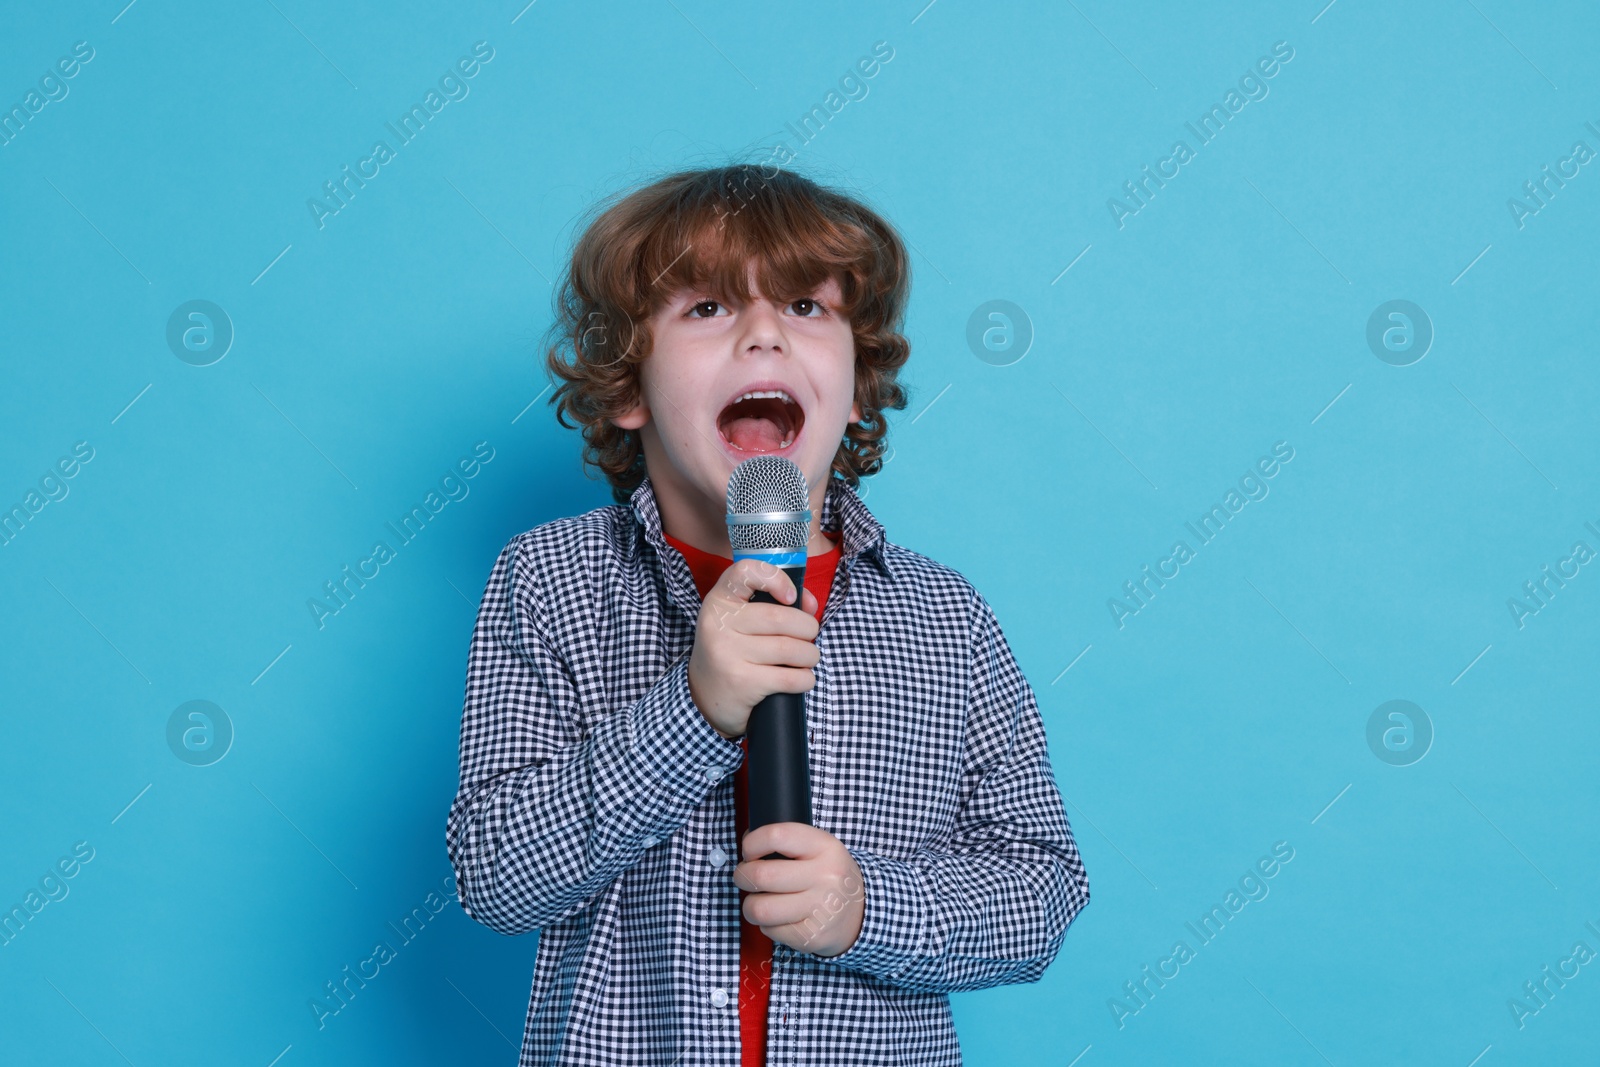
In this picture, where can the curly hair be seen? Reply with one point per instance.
(700, 228)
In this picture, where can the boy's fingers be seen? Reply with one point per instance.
(788, 680)
(796, 840)
(773, 876)
(781, 651)
(740, 581)
(765, 620)
(731, 598)
(779, 620)
(773, 911)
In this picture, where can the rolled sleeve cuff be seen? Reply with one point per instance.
(893, 918)
(673, 743)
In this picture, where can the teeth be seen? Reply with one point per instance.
(771, 393)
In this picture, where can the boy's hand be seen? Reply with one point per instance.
(813, 902)
(744, 651)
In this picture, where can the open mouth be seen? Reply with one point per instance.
(766, 420)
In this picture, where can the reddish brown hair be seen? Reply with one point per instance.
(699, 228)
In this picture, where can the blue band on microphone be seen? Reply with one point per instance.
(779, 557)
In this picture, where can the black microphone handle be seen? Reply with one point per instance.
(779, 776)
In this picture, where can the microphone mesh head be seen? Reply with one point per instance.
(767, 483)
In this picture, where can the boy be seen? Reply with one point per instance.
(715, 315)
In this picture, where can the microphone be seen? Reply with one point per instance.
(769, 518)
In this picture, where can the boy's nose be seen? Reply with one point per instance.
(763, 326)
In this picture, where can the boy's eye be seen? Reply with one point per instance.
(805, 306)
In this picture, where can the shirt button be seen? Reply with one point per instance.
(650, 842)
(713, 775)
(719, 997)
(717, 857)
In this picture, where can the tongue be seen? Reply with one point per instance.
(755, 435)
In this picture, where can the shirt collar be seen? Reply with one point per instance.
(842, 510)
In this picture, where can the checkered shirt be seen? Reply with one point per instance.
(596, 803)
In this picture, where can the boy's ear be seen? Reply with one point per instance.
(634, 418)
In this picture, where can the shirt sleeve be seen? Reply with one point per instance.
(549, 812)
(993, 907)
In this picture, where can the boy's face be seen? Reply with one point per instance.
(707, 353)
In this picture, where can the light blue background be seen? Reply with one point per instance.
(1228, 314)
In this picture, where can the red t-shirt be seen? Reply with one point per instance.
(755, 947)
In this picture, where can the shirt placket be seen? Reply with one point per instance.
(719, 991)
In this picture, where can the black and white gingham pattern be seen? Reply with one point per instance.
(596, 803)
